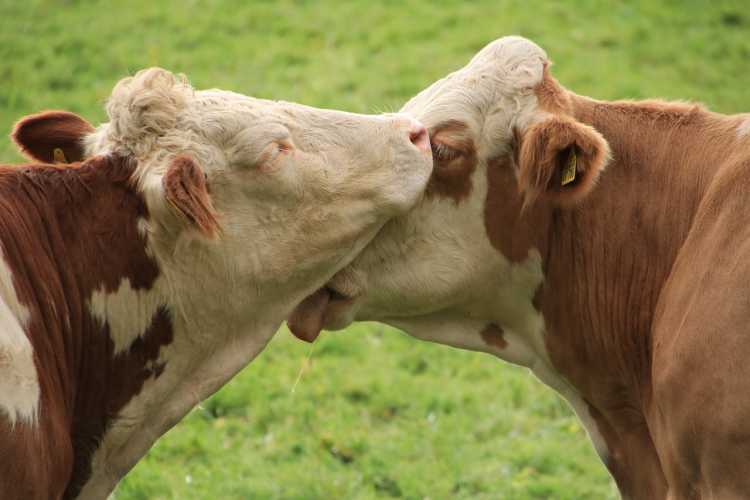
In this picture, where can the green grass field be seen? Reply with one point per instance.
(375, 413)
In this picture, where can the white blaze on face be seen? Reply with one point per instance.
(19, 384)
(434, 272)
(438, 255)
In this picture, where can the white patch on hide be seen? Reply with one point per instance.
(343, 178)
(743, 129)
(189, 377)
(127, 311)
(19, 384)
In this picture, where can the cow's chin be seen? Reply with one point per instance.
(332, 307)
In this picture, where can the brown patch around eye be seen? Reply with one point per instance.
(454, 158)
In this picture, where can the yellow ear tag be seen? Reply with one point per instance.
(59, 156)
(569, 172)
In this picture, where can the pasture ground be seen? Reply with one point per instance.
(376, 414)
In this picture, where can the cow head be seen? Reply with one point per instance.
(253, 201)
(507, 154)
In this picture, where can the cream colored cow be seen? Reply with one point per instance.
(136, 282)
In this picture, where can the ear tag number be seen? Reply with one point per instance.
(59, 156)
(569, 172)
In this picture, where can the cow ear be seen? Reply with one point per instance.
(52, 136)
(186, 191)
(560, 160)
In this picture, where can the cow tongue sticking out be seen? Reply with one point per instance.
(306, 321)
(329, 307)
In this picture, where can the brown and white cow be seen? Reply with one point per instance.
(603, 245)
(136, 282)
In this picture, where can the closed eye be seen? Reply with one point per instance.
(272, 152)
(441, 152)
(259, 146)
(451, 140)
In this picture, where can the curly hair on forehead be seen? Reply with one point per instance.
(144, 107)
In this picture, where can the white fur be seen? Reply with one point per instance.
(19, 385)
(499, 80)
(286, 227)
(434, 273)
(191, 372)
(463, 332)
(743, 129)
(583, 412)
(127, 311)
(546, 373)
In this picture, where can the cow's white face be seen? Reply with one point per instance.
(250, 205)
(297, 191)
(465, 257)
(435, 258)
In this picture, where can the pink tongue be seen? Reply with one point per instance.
(307, 318)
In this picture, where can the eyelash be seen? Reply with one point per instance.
(444, 153)
(279, 148)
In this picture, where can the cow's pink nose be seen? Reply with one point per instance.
(419, 137)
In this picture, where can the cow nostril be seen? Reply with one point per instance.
(419, 137)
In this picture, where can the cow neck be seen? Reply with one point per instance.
(606, 261)
(70, 233)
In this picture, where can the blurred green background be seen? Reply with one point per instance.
(375, 413)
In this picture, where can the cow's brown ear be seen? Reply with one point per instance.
(52, 136)
(560, 160)
(186, 191)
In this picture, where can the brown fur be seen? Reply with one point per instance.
(550, 95)
(67, 231)
(39, 135)
(451, 177)
(186, 190)
(509, 228)
(645, 289)
(493, 335)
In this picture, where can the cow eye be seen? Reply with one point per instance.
(273, 151)
(442, 153)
